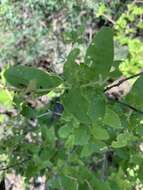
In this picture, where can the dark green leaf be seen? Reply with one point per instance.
(101, 185)
(32, 78)
(76, 104)
(69, 183)
(48, 134)
(89, 149)
(81, 136)
(112, 119)
(99, 55)
(65, 131)
(71, 69)
(99, 132)
(96, 109)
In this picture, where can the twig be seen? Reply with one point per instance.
(104, 167)
(137, 1)
(47, 113)
(88, 184)
(109, 19)
(131, 107)
(8, 113)
(123, 80)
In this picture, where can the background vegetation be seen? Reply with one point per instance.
(38, 138)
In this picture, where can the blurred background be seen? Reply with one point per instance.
(41, 33)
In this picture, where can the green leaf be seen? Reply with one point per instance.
(31, 170)
(70, 141)
(46, 154)
(83, 186)
(65, 131)
(101, 185)
(123, 140)
(28, 112)
(99, 55)
(48, 134)
(81, 136)
(71, 69)
(96, 108)
(112, 119)
(96, 102)
(135, 97)
(69, 183)
(89, 149)
(86, 74)
(31, 78)
(76, 104)
(99, 132)
(120, 142)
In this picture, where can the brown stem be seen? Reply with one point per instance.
(123, 80)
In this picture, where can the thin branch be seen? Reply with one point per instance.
(109, 19)
(8, 113)
(130, 107)
(104, 167)
(47, 113)
(123, 80)
(89, 185)
(137, 1)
